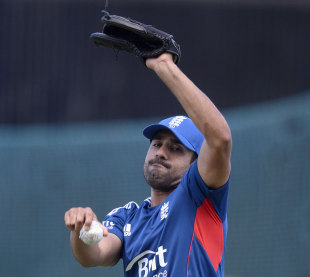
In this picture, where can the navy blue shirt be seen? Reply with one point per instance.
(183, 236)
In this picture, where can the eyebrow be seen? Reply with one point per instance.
(177, 141)
(173, 140)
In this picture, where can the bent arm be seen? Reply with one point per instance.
(214, 156)
(107, 252)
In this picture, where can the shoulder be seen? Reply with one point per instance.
(127, 208)
(117, 218)
(196, 189)
(192, 176)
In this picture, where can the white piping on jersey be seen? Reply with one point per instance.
(127, 206)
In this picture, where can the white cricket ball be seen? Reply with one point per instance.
(93, 235)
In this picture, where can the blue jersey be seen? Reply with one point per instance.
(183, 236)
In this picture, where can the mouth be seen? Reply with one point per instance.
(159, 163)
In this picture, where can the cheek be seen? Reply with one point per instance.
(148, 156)
(184, 166)
(184, 169)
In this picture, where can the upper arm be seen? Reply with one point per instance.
(111, 246)
(214, 163)
(110, 250)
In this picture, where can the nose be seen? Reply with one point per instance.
(162, 153)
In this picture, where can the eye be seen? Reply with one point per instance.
(176, 147)
(156, 144)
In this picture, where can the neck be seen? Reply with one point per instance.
(157, 197)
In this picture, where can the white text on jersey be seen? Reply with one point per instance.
(147, 265)
(127, 230)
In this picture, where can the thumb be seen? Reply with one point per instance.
(105, 229)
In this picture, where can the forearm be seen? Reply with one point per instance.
(86, 255)
(196, 104)
(107, 252)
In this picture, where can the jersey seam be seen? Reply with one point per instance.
(189, 253)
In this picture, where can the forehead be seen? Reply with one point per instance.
(166, 134)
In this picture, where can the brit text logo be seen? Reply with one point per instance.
(149, 265)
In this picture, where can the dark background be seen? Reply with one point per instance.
(50, 71)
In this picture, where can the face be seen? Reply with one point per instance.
(166, 161)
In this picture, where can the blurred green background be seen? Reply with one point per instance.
(72, 116)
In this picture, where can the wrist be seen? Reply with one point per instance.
(164, 66)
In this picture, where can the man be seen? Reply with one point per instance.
(181, 229)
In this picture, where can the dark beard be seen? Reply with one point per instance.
(158, 180)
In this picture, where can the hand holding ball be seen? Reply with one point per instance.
(93, 235)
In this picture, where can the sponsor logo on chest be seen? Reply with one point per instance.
(147, 266)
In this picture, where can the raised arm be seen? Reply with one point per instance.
(214, 156)
(105, 253)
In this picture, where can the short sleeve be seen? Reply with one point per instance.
(117, 218)
(198, 191)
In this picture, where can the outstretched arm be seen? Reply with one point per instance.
(214, 156)
(105, 253)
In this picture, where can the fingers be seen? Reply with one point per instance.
(89, 217)
(153, 63)
(76, 217)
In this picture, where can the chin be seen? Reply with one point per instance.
(161, 184)
(159, 180)
(163, 188)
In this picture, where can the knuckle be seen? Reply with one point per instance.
(80, 218)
